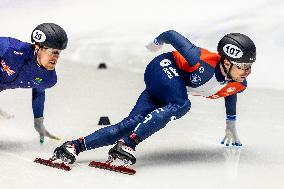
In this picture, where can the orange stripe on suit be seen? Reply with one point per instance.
(208, 57)
(183, 64)
(229, 89)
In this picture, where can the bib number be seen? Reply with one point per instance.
(233, 51)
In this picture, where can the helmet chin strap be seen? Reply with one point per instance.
(227, 72)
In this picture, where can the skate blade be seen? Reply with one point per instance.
(110, 167)
(51, 163)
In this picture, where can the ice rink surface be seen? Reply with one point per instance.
(185, 154)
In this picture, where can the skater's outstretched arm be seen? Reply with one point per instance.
(187, 49)
(38, 98)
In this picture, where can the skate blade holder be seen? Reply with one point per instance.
(112, 167)
(51, 163)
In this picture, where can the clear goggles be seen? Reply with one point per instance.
(243, 66)
(51, 51)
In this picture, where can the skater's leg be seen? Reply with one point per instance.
(110, 134)
(152, 123)
(171, 91)
(155, 121)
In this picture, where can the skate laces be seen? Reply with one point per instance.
(126, 148)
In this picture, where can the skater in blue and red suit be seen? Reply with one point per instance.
(169, 78)
(26, 65)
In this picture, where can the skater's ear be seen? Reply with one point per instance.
(37, 47)
(227, 63)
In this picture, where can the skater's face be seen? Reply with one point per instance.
(47, 57)
(238, 72)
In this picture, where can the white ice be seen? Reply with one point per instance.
(187, 153)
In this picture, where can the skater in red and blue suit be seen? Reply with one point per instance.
(169, 78)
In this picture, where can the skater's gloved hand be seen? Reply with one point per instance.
(154, 46)
(40, 128)
(231, 134)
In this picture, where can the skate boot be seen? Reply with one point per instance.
(122, 152)
(66, 152)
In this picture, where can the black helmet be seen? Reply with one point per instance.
(237, 47)
(50, 35)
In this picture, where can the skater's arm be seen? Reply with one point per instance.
(188, 50)
(38, 107)
(230, 104)
(38, 98)
(231, 135)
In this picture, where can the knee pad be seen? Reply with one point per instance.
(128, 124)
(169, 112)
(157, 120)
(178, 110)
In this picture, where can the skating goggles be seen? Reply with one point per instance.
(51, 51)
(243, 66)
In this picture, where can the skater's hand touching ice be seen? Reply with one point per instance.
(40, 128)
(231, 135)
